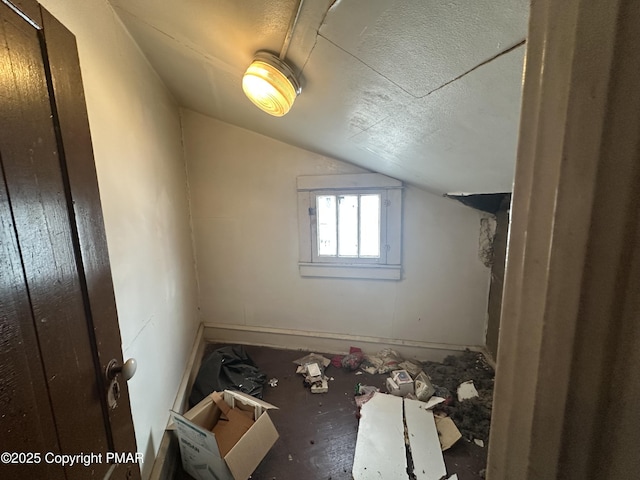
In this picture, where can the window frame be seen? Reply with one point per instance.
(388, 266)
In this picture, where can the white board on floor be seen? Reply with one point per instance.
(426, 452)
(380, 450)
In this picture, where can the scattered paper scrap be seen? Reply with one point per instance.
(313, 358)
(448, 433)
(466, 391)
(478, 442)
(433, 401)
(313, 369)
(273, 382)
(413, 367)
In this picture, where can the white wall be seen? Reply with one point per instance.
(243, 191)
(135, 127)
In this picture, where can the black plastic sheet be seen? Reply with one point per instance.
(227, 368)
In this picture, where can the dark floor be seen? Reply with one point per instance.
(318, 431)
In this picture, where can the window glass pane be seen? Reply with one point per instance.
(348, 225)
(326, 211)
(370, 226)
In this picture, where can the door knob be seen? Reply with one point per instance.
(127, 370)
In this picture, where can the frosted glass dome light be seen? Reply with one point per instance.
(270, 84)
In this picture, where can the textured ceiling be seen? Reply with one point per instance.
(426, 91)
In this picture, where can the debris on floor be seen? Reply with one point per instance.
(320, 387)
(423, 387)
(353, 360)
(273, 382)
(336, 360)
(448, 433)
(329, 419)
(390, 430)
(400, 383)
(313, 358)
(472, 416)
(428, 387)
(312, 368)
(381, 429)
(363, 393)
(411, 366)
(457, 391)
(467, 390)
(365, 389)
(384, 361)
(433, 402)
(227, 368)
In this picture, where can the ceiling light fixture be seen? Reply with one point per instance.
(269, 82)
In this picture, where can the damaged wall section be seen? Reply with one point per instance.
(497, 275)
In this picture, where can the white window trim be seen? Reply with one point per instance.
(389, 268)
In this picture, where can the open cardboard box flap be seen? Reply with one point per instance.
(195, 426)
(247, 454)
(203, 414)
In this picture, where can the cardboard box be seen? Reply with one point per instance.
(423, 386)
(245, 435)
(400, 383)
(392, 387)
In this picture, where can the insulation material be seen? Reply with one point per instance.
(472, 416)
(485, 243)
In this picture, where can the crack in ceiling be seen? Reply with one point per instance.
(481, 64)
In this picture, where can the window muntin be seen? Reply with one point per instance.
(348, 225)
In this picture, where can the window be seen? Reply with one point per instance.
(350, 226)
(347, 226)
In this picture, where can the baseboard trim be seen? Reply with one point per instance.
(167, 459)
(190, 372)
(327, 342)
(489, 358)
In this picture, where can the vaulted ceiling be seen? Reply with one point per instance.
(426, 91)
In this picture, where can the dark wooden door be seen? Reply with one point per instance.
(58, 323)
